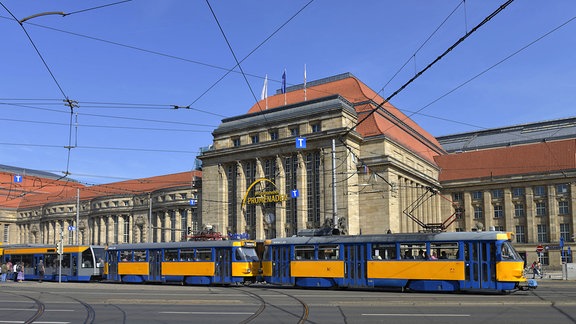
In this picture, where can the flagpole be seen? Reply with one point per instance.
(264, 94)
(304, 82)
(284, 85)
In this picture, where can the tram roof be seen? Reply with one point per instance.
(402, 237)
(174, 245)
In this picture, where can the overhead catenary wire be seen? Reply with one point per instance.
(448, 50)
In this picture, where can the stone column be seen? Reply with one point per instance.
(531, 224)
(552, 214)
(509, 211)
(488, 210)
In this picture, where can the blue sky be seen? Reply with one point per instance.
(128, 63)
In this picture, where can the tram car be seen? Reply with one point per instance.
(77, 262)
(425, 262)
(214, 262)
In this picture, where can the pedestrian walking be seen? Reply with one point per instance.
(536, 268)
(40, 267)
(9, 272)
(20, 272)
(4, 270)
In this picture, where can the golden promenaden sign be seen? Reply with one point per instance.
(262, 196)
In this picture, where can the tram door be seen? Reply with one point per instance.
(354, 266)
(480, 263)
(155, 265)
(74, 264)
(223, 266)
(112, 257)
(281, 265)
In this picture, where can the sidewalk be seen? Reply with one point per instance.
(552, 275)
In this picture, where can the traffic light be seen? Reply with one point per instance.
(189, 231)
(60, 247)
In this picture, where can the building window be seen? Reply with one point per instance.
(497, 194)
(294, 131)
(457, 196)
(232, 199)
(274, 135)
(520, 234)
(236, 141)
(459, 229)
(316, 127)
(250, 216)
(518, 192)
(477, 195)
(459, 212)
(539, 191)
(255, 138)
(562, 189)
(184, 223)
(545, 258)
(541, 208)
(115, 228)
(565, 232)
(542, 233)
(172, 226)
(6, 237)
(477, 212)
(313, 173)
(71, 237)
(498, 211)
(126, 238)
(291, 174)
(563, 208)
(499, 228)
(518, 210)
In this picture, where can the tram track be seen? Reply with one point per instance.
(301, 319)
(40, 307)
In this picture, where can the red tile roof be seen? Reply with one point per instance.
(508, 161)
(36, 191)
(395, 125)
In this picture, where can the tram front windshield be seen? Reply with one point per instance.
(246, 254)
(509, 253)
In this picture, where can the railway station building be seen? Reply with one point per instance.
(519, 178)
(329, 155)
(42, 208)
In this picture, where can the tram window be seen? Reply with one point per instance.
(86, 259)
(304, 252)
(50, 260)
(187, 255)
(246, 254)
(204, 254)
(140, 255)
(508, 252)
(328, 252)
(25, 259)
(445, 250)
(267, 253)
(126, 255)
(413, 251)
(383, 251)
(170, 255)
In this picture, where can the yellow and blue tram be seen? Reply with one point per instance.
(78, 262)
(445, 261)
(219, 262)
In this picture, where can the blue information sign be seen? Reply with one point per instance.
(17, 178)
(193, 202)
(294, 193)
(300, 142)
